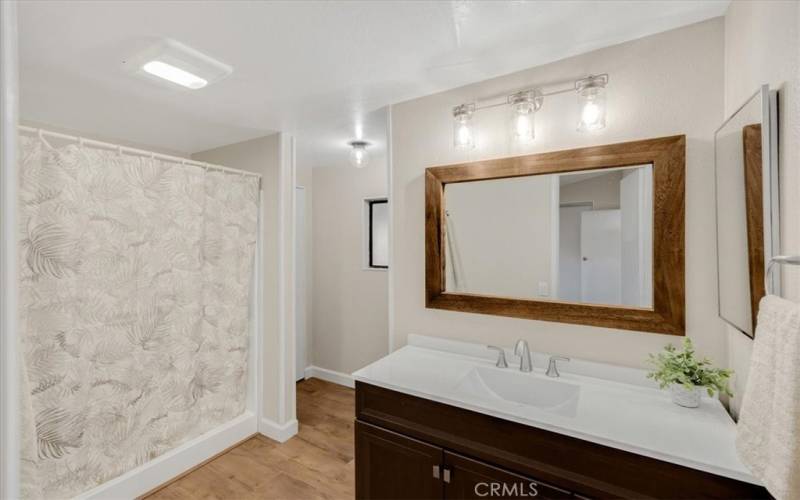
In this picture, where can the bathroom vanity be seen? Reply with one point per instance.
(438, 419)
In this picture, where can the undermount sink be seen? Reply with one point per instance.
(522, 389)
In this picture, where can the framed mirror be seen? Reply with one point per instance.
(746, 182)
(591, 236)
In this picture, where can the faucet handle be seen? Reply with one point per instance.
(552, 368)
(501, 356)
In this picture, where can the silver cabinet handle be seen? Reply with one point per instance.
(501, 356)
(446, 475)
(436, 469)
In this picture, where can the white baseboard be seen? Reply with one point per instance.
(172, 464)
(278, 432)
(340, 378)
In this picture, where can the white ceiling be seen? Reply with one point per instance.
(314, 68)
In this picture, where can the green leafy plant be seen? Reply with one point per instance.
(673, 366)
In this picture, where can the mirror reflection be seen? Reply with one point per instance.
(584, 237)
(740, 228)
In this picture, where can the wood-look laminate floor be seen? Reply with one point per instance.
(317, 463)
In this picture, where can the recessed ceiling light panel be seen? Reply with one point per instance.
(174, 74)
(174, 62)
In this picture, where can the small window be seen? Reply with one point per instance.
(377, 226)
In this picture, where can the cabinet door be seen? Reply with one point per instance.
(466, 478)
(392, 466)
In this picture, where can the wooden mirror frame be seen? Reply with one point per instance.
(754, 210)
(668, 157)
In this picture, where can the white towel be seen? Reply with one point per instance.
(768, 432)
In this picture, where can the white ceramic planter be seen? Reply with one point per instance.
(690, 398)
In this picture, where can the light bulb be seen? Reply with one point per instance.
(592, 102)
(590, 114)
(524, 105)
(359, 157)
(522, 122)
(463, 134)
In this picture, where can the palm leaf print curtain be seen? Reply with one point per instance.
(134, 303)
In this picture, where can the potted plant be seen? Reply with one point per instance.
(686, 376)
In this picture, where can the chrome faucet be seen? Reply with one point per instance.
(521, 350)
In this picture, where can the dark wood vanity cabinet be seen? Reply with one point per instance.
(414, 448)
(393, 466)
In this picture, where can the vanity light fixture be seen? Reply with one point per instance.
(592, 102)
(524, 104)
(523, 110)
(463, 132)
(359, 157)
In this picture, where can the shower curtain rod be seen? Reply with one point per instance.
(135, 151)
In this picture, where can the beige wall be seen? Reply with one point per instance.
(271, 157)
(762, 45)
(350, 304)
(666, 84)
(602, 191)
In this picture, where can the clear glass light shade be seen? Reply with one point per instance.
(592, 103)
(522, 122)
(463, 129)
(359, 157)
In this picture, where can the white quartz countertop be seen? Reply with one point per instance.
(615, 408)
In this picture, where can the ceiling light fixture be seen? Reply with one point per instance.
(359, 157)
(524, 105)
(175, 75)
(463, 133)
(173, 62)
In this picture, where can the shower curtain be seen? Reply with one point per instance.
(134, 299)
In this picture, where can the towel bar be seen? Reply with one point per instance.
(793, 260)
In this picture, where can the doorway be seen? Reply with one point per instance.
(601, 232)
(569, 258)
